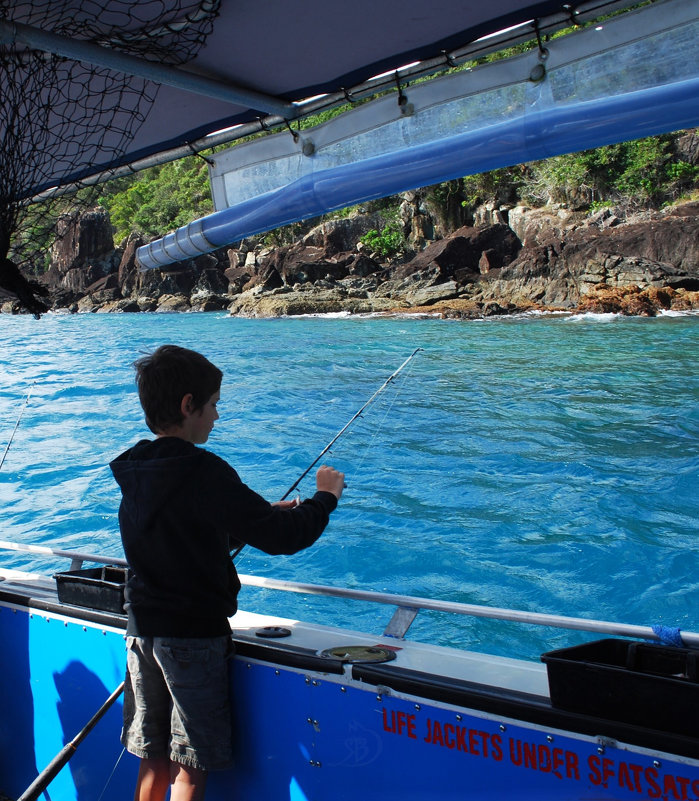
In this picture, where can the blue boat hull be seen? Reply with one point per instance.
(313, 728)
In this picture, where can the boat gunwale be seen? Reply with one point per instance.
(388, 679)
(402, 602)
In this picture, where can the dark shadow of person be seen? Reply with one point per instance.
(93, 763)
(17, 746)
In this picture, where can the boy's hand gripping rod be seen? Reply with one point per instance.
(340, 433)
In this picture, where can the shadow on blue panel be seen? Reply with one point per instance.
(17, 759)
(81, 695)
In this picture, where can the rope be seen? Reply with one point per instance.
(668, 635)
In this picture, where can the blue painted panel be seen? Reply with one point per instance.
(360, 745)
(275, 743)
(392, 750)
(58, 677)
(299, 737)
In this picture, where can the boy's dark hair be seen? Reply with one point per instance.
(166, 376)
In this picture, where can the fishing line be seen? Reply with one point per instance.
(348, 424)
(111, 775)
(14, 430)
(378, 429)
(341, 432)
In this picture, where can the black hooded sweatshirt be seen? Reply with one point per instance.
(183, 510)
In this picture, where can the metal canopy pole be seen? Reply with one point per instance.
(34, 38)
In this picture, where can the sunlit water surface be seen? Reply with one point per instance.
(544, 463)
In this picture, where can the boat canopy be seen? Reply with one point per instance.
(141, 83)
(232, 61)
(631, 76)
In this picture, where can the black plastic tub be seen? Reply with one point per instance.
(645, 684)
(96, 588)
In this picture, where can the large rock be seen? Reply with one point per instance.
(83, 252)
(86, 264)
(82, 238)
(128, 273)
(119, 306)
(211, 280)
(662, 251)
(309, 300)
(632, 300)
(539, 226)
(340, 236)
(238, 277)
(687, 146)
(302, 263)
(428, 295)
(173, 303)
(468, 251)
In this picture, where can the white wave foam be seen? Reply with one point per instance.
(599, 317)
(675, 313)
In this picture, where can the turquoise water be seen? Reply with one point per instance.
(542, 463)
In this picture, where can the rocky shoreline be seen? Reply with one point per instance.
(511, 260)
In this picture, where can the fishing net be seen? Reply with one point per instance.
(60, 117)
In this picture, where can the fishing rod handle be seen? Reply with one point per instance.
(49, 773)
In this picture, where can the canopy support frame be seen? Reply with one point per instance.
(569, 15)
(14, 33)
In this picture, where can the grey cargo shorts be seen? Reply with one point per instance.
(177, 700)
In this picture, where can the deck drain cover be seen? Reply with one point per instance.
(272, 632)
(359, 653)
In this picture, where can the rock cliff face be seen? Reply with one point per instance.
(514, 259)
(83, 253)
(566, 270)
(552, 260)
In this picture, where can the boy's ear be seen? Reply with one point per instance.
(186, 405)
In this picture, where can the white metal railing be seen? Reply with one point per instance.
(76, 557)
(407, 606)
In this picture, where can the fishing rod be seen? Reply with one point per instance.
(347, 425)
(14, 430)
(49, 773)
(341, 432)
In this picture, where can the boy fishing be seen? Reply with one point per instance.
(183, 510)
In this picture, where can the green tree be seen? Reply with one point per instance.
(160, 199)
(388, 242)
(642, 172)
